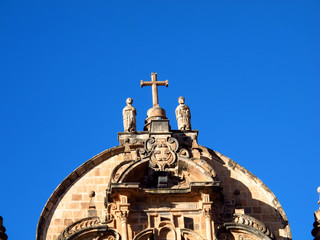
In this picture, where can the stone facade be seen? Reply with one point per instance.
(160, 184)
(205, 196)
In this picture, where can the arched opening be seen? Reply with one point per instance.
(167, 234)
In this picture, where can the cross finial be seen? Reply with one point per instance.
(154, 83)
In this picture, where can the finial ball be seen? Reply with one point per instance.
(318, 190)
(181, 100)
(92, 194)
(129, 101)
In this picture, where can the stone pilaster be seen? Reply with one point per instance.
(123, 215)
(124, 228)
(206, 211)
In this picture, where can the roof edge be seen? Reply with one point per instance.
(70, 179)
(275, 202)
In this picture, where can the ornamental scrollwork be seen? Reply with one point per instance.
(79, 225)
(89, 228)
(252, 222)
(162, 152)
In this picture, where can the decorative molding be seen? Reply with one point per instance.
(144, 234)
(189, 234)
(119, 169)
(90, 226)
(252, 222)
(247, 225)
(75, 227)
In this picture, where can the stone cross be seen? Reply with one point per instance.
(154, 83)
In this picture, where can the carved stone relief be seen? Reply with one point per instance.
(244, 227)
(88, 228)
(162, 152)
(79, 225)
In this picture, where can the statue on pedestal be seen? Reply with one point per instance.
(183, 115)
(129, 116)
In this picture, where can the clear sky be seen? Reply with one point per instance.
(249, 71)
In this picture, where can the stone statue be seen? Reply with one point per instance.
(129, 116)
(183, 115)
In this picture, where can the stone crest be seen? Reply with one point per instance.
(162, 152)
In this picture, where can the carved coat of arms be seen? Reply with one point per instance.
(162, 152)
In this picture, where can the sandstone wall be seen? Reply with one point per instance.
(241, 189)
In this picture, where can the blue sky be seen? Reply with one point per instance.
(249, 71)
